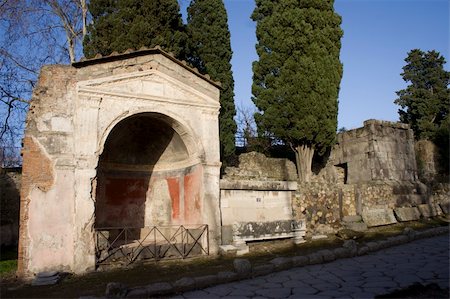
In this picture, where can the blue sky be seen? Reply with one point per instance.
(378, 34)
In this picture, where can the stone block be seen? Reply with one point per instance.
(407, 214)
(281, 263)
(206, 280)
(229, 250)
(352, 218)
(184, 282)
(242, 266)
(356, 226)
(227, 234)
(226, 276)
(137, 293)
(158, 288)
(319, 237)
(349, 234)
(351, 246)
(315, 258)
(46, 278)
(445, 206)
(299, 261)
(373, 246)
(363, 250)
(341, 252)
(263, 269)
(378, 217)
(430, 210)
(115, 290)
(327, 255)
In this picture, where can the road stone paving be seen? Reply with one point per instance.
(424, 261)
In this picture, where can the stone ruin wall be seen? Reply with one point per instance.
(369, 168)
(372, 168)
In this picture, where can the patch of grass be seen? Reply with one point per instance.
(8, 268)
(8, 262)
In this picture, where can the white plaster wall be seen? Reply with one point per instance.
(255, 206)
(51, 221)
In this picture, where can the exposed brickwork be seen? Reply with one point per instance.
(37, 172)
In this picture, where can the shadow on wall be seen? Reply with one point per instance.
(9, 206)
(144, 178)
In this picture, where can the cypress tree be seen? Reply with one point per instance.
(210, 52)
(296, 79)
(122, 24)
(425, 101)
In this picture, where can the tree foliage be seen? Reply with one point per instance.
(122, 24)
(210, 52)
(425, 101)
(296, 79)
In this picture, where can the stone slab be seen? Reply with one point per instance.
(319, 237)
(356, 226)
(352, 218)
(430, 210)
(445, 206)
(407, 214)
(378, 217)
(227, 250)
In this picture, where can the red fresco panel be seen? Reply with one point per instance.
(174, 190)
(124, 201)
(192, 197)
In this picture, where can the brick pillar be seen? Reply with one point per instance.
(37, 171)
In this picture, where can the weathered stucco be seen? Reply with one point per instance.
(83, 165)
(256, 199)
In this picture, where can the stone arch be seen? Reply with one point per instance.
(192, 141)
(149, 173)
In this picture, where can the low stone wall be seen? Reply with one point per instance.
(256, 166)
(256, 200)
(256, 210)
(322, 204)
(10, 180)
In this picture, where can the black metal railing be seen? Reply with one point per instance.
(129, 244)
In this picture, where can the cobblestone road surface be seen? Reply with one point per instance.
(424, 261)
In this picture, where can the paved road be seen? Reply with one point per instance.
(425, 261)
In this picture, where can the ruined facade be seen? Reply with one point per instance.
(378, 151)
(127, 140)
(370, 172)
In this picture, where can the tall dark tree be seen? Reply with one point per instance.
(210, 52)
(296, 80)
(425, 101)
(118, 25)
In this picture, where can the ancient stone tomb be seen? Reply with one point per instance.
(127, 140)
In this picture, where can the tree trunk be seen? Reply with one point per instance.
(303, 156)
(84, 12)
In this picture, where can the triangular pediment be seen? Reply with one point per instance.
(150, 85)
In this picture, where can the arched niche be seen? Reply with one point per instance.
(148, 174)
